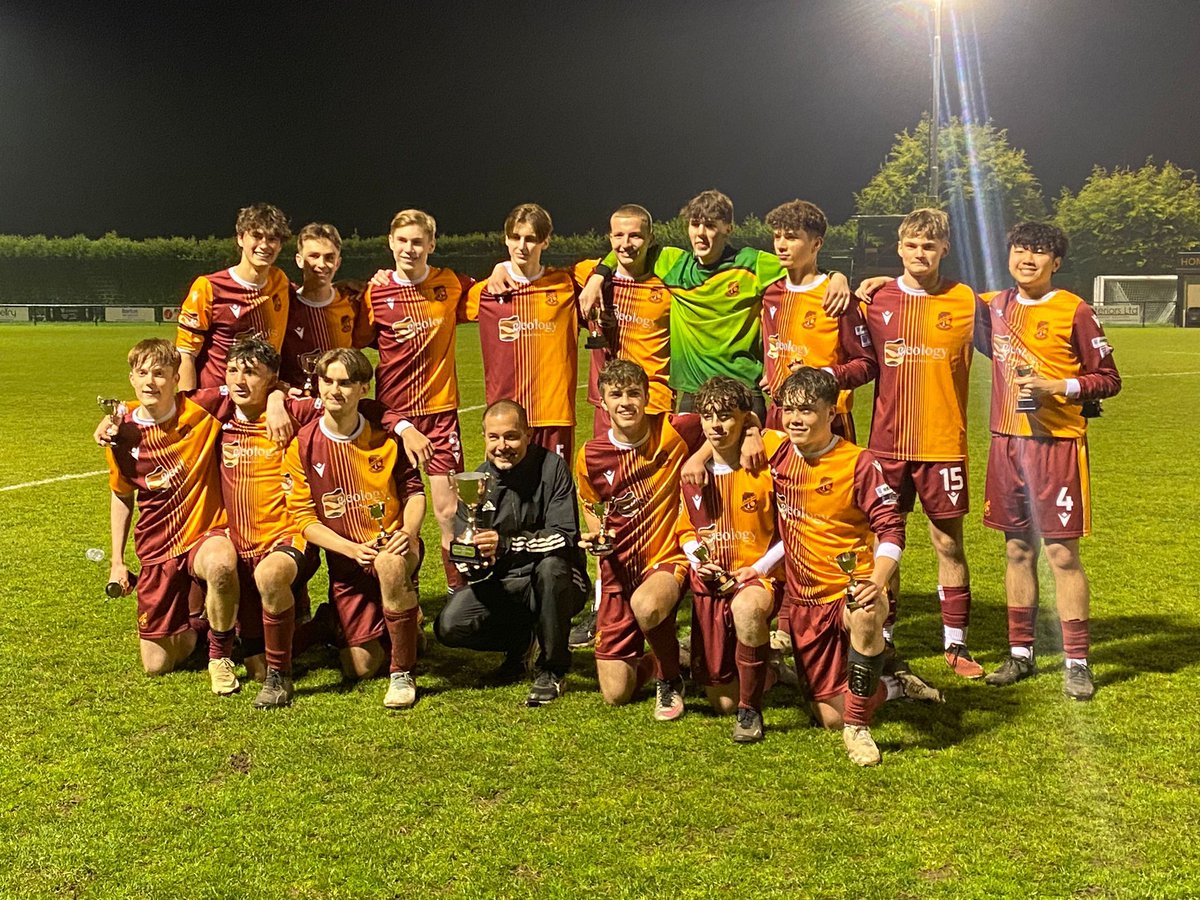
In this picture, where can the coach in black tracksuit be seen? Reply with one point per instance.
(534, 578)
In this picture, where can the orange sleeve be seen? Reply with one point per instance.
(297, 493)
(466, 282)
(685, 531)
(471, 309)
(772, 441)
(583, 270)
(364, 323)
(587, 493)
(195, 317)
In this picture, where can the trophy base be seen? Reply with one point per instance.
(1027, 407)
(461, 552)
(595, 343)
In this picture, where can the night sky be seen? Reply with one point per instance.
(164, 118)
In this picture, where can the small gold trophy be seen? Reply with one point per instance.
(1026, 403)
(848, 562)
(308, 365)
(376, 511)
(596, 339)
(114, 409)
(603, 542)
(472, 489)
(722, 581)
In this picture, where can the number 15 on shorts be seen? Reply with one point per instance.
(952, 482)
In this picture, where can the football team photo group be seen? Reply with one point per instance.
(724, 474)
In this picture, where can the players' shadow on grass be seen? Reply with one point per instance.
(1123, 647)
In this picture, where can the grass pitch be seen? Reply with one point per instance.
(113, 784)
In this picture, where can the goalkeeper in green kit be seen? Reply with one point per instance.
(716, 300)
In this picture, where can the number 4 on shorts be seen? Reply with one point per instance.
(1067, 502)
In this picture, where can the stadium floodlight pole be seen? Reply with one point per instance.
(936, 112)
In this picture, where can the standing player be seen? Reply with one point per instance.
(733, 518)
(352, 492)
(530, 336)
(1049, 356)
(413, 313)
(321, 315)
(716, 300)
(251, 296)
(921, 327)
(833, 500)
(797, 331)
(162, 455)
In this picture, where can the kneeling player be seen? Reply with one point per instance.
(634, 470)
(732, 517)
(162, 454)
(834, 504)
(355, 494)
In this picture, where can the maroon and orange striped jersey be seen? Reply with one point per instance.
(832, 503)
(171, 468)
(1058, 337)
(414, 331)
(221, 306)
(923, 346)
(641, 484)
(796, 330)
(642, 309)
(733, 515)
(252, 479)
(341, 321)
(530, 342)
(334, 480)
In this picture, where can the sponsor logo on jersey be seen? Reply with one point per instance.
(749, 501)
(826, 486)
(375, 463)
(895, 352)
(408, 328)
(944, 321)
(1043, 331)
(511, 328)
(810, 319)
(732, 290)
(160, 479)
(785, 509)
(731, 538)
(439, 293)
(335, 503)
(233, 450)
(777, 347)
(1001, 346)
(627, 504)
(629, 318)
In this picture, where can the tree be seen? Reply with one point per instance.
(1130, 221)
(977, 163)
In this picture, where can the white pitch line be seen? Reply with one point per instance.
(1158, 374)
(27, 484)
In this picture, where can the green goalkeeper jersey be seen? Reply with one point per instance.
(715, 313)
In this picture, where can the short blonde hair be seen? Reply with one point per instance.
(928, 222)
(155, 352)
(420, 218)
(318, 231)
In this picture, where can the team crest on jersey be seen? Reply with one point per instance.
(552, 299)
(749, 501)
(333, 504)
(1043, 331)
(375, 463)
(810, 319)
(944, 321)
(347, 325)
(439, 293)
(159, 479)
(287, 483)
(278, 304)
(826, 486)
(656, 295)
(732, 290)
(143, 619)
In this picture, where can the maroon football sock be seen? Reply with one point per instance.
(665, 643)
(220, 643)
(752, 674)
(861, 710)
(454, 578)
(199, 624)
(402, 629)
(278, 631)
(785, 619)
(1021, 625)
(1075, 638)
(956, 606)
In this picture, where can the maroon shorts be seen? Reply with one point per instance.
(442, 430)
(618, 635)
(842, 424)
(714, 637)
(601, 422)
(942, 486)
(558, 439)
(357, 599)
(1038, 485)
(820, 646)
(250, 608)
(164, 588)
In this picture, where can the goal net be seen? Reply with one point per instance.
(1138, 299)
